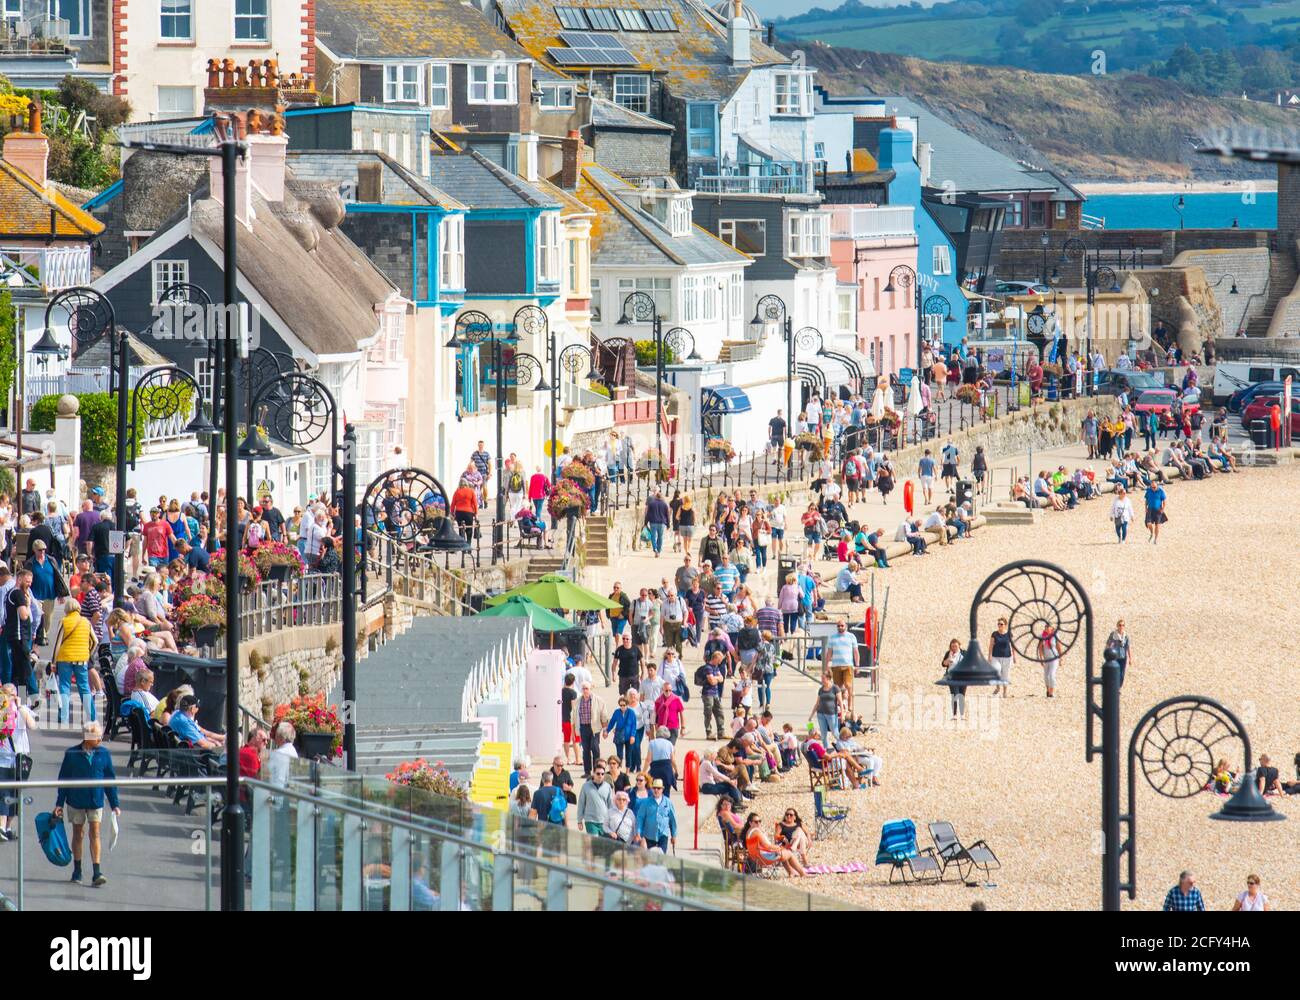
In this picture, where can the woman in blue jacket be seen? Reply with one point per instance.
(622, 723)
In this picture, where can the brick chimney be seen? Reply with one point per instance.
(574, 155)
(243, 187)
(29, 150)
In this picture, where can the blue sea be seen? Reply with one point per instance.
(1203, 211)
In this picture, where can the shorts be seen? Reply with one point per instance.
(843, 676)
(852, 483)
(813, 536)
(570, 734)
(687, 531)
(1156, 516)
(778, 533)
(949, 470)
(80, 817)
(927, 481)
(769, 857)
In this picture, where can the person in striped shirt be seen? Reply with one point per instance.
(715, 606)
(728, 574)
(769, 618)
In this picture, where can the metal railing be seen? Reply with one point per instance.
(775, 177)
(274, 605)
(871, 223)
(1087, 221)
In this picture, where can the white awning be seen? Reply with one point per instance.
(825, 371)
(855, 359)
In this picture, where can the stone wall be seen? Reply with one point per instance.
(1044, 426)
(1286, 314)
(1246, 270)
(275, 668)
(1185, 302)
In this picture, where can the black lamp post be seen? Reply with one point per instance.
(472, 329)
(639, 307)
(904, 277)
(1033, 595)
(1095, 275)
(1179, 206)
(412, 509)
(158, 395)
(533, 320)
(772, 309)
(180, 296)
(90, 317)
(300, 409)
(261, 367)
(1046, 242)
(1233, 289)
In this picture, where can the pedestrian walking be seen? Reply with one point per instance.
(1184, 897)
(1121, 513)
(86, 761)
(1002, 654)
(1157, 513)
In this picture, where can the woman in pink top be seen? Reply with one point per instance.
(539, 487)
(668, 713)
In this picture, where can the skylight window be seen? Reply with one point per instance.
(631, 19)
(661, 20)
(602, 18)
(573, 18)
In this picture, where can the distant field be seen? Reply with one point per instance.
(919, 33)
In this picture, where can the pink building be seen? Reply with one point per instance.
(867, 242)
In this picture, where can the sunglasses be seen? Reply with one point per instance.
(601, 771)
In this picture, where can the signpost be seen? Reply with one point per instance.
(1284, 433)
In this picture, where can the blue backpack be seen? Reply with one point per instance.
(54, 839)
(559, 803)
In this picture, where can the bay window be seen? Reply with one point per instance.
(792, 93)
(548, 248)
(809, 234)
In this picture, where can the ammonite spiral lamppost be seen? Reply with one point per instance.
(639, 307)
(1171, 742)
(412, 509)
(532, 320)
(90, 316)
(768, 310)
(1095, 276)
(159, 396)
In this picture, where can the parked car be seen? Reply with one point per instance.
(1021, 288)
(1115, 380)
(1242, 397)
(1258, 409)
(1162, 400)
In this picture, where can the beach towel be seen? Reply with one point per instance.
(848, 869)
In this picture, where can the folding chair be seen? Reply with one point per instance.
(898, 849)
(734, 855)
(829, 818)
(143, 749)
(113, 697)
(950, 851)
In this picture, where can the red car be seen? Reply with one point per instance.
(1258, 409)
(1161, 401)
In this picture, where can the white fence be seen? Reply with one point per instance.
(868, 223)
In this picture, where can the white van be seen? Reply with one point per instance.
(1229, 376)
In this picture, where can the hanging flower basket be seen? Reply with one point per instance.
(969, 394)
(200, 618)
(891, 419)
(318, 726)
(1052, 368)
(720, 449)
(248, 574)
(567, 500)
(810, 443)
(580, 473)
(277, 561)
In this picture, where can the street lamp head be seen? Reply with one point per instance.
(47, 346)
(1247, 805)
(972, 670)
(255, 444)
(200, 424)
(447, 538)
(455, 343)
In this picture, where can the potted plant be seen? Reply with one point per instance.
(567, 499)
(277, 561)
(201, 618)
(318, 727)
(427, 777)
(720, 449)
(248, 574)
(969, 394)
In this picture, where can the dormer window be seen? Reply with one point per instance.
(679, 216)
(792, 93)
(402, 84)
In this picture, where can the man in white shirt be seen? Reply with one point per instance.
(653, 685)
(934, 522)
(280, 759)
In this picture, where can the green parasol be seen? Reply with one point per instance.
(519, 606)
(557, 592)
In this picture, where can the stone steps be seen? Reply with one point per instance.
(597, 544)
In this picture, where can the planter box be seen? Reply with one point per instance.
(206, 635)
(313, 745)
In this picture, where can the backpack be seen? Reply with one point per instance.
(559, 803)
(516, 483)
(702, 675)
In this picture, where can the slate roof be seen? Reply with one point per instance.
(31, 212)
(99, 353)
(957, 157)
(431, 29)
(607, 114)
(692, 59)
(474, 180)
(336, 166)
(622, 233)
(1065, 191)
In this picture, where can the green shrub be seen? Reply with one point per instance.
(98, 414)
(645, 353)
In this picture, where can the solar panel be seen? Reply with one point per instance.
(591, 40)
(591, 49)
(631, 19)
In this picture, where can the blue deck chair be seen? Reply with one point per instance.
(898, 849)
(829, 818)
